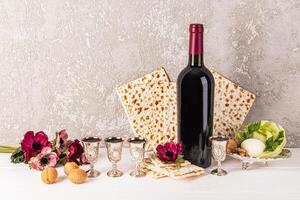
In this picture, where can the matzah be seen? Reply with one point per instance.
(143, 101)
(232, 104)
(160, 169)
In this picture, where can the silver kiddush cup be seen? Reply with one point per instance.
(91, 149)
(114, 147)
(137, 150)
(219, 144)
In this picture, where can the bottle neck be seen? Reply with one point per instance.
(196, 60)
(196, 45)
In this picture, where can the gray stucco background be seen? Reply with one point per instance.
(60, 60)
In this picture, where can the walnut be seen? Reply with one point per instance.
(49, 175)
(69, 166)
(77, 176)
(231, 146)
(242, 152)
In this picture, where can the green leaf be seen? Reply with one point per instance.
(240, 137)
(269, 144)
(17, 156)
(53, 142)
(281, 134)
(254, 127)
(179, 160)
(62, 159)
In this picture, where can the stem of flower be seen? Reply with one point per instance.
(7, 149)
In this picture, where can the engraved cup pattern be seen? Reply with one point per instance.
(114, 147)
(91, 149)
(219, 144)
(137, 150)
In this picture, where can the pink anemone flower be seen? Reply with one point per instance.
(46, 158)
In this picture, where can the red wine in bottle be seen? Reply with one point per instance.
(195, 90)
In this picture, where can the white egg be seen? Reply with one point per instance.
(254, 147)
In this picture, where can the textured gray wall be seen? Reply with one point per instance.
(60, 60)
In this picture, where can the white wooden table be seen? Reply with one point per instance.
(280, 180)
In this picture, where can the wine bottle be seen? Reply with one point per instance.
(195, 97)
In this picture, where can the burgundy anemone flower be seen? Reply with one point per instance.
(32, 144)
(169, 152)
(75, 152)
(61, 141)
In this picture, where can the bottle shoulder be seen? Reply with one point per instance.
(195, 72)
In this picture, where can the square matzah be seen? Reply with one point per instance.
(143, 101)
(232, 104)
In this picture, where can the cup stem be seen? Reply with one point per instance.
(114, 166)
(219, 166)
(92, 167)
(137, 167)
